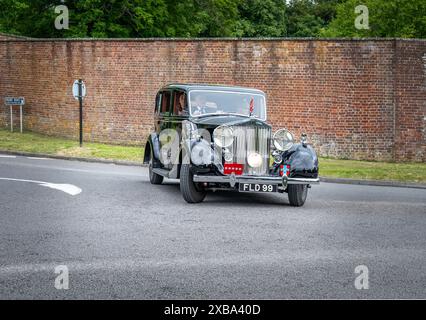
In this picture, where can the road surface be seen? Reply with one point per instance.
(121, 237)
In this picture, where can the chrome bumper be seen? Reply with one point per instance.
(233, 179)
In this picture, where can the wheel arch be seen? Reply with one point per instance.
(147, 153)
(152, 148)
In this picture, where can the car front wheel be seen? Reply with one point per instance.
(192, 192)
(297, 194)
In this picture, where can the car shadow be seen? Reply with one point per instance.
(235, 197)
(231, 197)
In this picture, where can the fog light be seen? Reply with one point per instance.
(254, 160)
(277, 157)
(227, 155)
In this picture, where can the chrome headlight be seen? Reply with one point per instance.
(223, 136)
(283, 140)
(201, 153)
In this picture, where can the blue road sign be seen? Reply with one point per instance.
(11, 101)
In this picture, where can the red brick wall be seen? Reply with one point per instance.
(410, 100)
(360, 99)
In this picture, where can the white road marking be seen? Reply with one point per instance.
(6, 156)
(91, 171)
(67, 188)
(35, 158)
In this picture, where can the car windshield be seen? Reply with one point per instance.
(225, 102)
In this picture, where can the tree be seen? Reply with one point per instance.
(122, 18)
(214, 18)
(117, 18)
(302, 21)
(306, 18)
(262, 18)
(387, 18)
(29, 18)
(182, 19)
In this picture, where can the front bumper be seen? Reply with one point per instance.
(233, 179)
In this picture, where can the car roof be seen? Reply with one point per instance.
(193, 86)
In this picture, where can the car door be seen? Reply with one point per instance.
(179, 113)
(179, 110)
(163, 125)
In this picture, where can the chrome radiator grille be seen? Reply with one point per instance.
(248, 139)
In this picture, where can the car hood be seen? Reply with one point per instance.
(230, 120)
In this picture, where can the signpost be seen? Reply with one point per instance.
(11, 101)
(79, 92)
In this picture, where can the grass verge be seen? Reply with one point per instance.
(37, 143)
(369, 170)
(351, 169)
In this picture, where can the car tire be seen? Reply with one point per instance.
(153, 177)
(297, 194)
(190, 191)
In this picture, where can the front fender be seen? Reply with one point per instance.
(303, 161)
(152, 147)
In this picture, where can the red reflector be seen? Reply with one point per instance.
(236, 168)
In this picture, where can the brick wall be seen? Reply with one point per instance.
(359, 99)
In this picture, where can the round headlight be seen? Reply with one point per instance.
(254, 160)
(201, 153)
(223, 136)
(283, 140)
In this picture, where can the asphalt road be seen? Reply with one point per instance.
(121, 237)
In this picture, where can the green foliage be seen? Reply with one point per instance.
(122, 18)
(306, 18)
(302, 21)
(117, 18)
(214, 18)
(262, 18)
(29, 18)
(387, 18)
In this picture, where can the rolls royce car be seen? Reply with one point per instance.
(217, 138)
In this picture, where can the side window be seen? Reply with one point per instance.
(165, 101)
(157, 103)
(180, 106)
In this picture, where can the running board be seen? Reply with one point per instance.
(162, 172)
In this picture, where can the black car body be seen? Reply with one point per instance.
(217, 137)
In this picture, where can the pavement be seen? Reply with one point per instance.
(122, 238)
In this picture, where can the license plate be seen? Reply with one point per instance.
(257, 187)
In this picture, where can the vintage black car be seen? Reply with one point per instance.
(216, 138)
